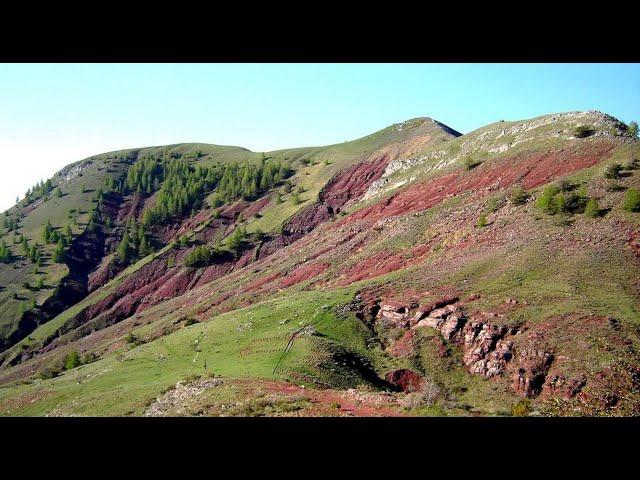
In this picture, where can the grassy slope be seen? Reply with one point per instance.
(324, 163)
(248, 342)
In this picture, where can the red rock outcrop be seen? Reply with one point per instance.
(406, 380)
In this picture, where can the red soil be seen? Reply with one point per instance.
(305, 272)
(529, 169)
(349, 402)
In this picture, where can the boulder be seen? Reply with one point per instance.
(451, 326)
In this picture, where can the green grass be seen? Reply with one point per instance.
(244, 343)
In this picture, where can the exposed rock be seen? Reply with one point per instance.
(531, 371)
(495, 362)
(173, 401)
(406, 380)
(451, 326)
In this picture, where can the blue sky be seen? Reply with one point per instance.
(55, 114)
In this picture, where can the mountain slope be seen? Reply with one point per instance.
(407, 263)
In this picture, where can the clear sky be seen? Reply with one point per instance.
(54, 114)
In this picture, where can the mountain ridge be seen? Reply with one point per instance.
(351, 227)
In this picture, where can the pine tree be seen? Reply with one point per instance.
(59, 253)
(632, 200)
(124, 249)
(46, 232)
(235, 239)
(592, 209)
(5, 255)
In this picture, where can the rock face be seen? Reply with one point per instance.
(531, 372)
(406, 380)
(488, 349)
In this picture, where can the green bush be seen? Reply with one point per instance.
(584, 131)
(633, 164)
(547, 201)
(555, 199)
(190, 321)
(632, 200)
(482, 221)
(495, 203)
(519, 196)
(522, 408)
(234, 241)
(613, 170)
(470, 164)
(592, 209)
(198, 257)
(49, 372)
(72, 360)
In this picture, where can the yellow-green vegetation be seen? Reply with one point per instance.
(249, 325)
(246, 343)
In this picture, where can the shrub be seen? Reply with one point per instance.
(190, 321)
(547, 201)
(234, 241)
(482, 221)
(494, 204)
(48, 372)
(632, 128)
(564, 185)
(613, 170)
(592, 209)
(573, 202)
(522, 408)
(295, 198)
(633, 164)
(632, 200)
(198, 257)
(584, 131)
(470, 164)
(72, 360)
(89, 358)
(556, 200)
(519, 196)
(614, 187)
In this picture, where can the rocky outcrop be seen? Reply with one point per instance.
(488, 349)
(530, 374)
(405, 380)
